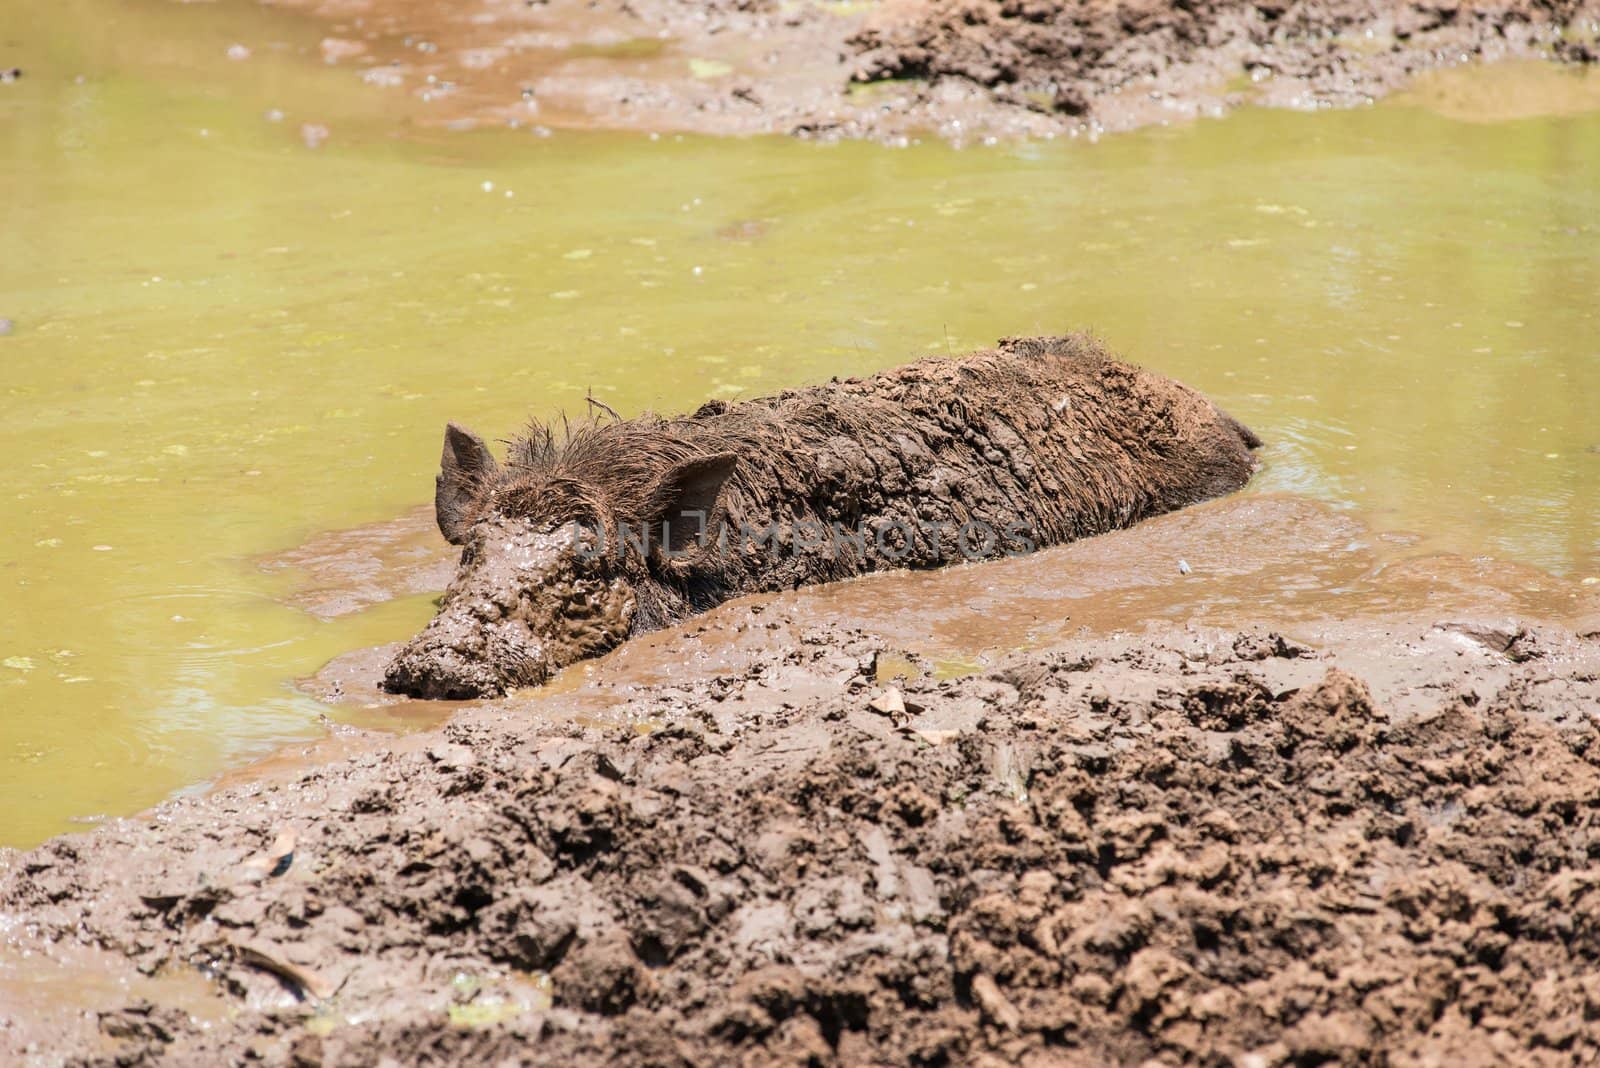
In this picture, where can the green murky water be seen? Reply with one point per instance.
(227, 340)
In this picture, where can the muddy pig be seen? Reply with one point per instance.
(623, 526)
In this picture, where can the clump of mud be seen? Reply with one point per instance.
(1077, 59)
(1195, 846)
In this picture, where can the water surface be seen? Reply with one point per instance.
(228, 340)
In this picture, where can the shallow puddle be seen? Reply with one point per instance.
(247, 293)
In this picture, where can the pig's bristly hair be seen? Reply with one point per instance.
(1051, 432)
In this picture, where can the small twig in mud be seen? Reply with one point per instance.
(303, 979)
(932, 737)
(995, 1005)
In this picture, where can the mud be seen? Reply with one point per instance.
(961, 69)
(345, 571)
(799, 830)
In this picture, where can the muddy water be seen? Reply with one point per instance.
(248, 290)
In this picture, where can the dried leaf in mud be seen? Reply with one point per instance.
(307, 981)
(274, 861)
(892, 703)
(888, 703)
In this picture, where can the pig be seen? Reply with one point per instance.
(619, 526)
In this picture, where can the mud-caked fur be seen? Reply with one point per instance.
(1040, 441)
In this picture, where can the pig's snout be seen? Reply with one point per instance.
(438, 673)
(523, 604)
(439, 665)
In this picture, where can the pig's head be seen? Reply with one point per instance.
(548, 575)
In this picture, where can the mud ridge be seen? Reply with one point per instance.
(964, 70)
(1198, 846)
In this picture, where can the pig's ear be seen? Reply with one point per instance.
(465, 470)
(686, 497)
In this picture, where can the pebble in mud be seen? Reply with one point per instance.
(7, 327)
(9, 76)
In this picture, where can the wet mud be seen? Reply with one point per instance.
(961, 69)
(343, 571)
(1071, 809)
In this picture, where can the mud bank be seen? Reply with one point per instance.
(964, 69)
(793, 832)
